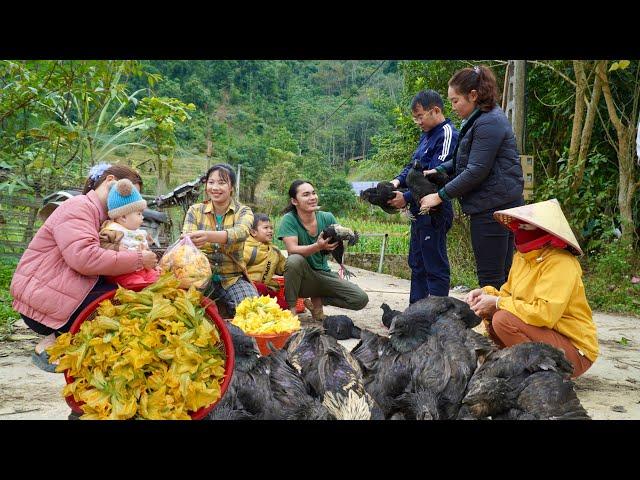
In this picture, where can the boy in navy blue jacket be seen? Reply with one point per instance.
(430, 272)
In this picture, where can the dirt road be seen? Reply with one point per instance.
(609, 390)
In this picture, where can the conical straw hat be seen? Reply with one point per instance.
(545, 215)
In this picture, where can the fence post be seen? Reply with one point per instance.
(382, 249)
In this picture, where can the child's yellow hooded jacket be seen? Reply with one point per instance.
(264, 260)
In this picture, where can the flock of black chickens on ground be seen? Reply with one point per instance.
(432, 366)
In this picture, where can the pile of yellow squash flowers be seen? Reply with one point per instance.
(150, 354)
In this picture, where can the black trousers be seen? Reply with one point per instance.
(493, 246)
(100, 289)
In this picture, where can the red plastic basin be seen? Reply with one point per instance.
(211, 311)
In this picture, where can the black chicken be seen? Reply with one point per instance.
(386, 372)
(419, 185)
(291, 392)
(249, 393)
(338, 233)
(420, 405)
(303, 354)
(368, 350)
(342, 385)
(411, 328)
(442, 367)
(422, 370)
(431, 308)
(340, 327)
(333, 375)
(226, 411)
(388, 314)
(526, 381)
(439, 178)
(391, 378)
(387, 362)
(381, 194)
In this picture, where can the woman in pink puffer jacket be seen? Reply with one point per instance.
(62, 269)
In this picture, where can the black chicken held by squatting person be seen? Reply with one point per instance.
(338, 233)
(529, 381)
(381, 194)
(421, 185)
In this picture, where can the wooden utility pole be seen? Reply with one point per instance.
(515, 100)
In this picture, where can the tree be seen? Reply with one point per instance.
(337, 196)
(586, 107)
(59, 117)
(157, 116)
(623, 115)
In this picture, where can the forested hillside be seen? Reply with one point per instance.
(283, 120)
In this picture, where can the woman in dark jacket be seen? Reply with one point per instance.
(486, 169)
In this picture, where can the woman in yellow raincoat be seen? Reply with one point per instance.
(543, 299)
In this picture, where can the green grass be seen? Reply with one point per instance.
(7, 315)
(607, 279)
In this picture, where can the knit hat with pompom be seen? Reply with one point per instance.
(124, 198)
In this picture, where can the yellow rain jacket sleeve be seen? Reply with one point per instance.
(263, 260)
(545, 289)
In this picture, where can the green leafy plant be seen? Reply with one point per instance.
(8, 316)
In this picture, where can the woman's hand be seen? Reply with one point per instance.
(472, 296)
(200, 238)
(429, 172)
(430, 201)
(149, 259)
(323, 243)
(485, 306)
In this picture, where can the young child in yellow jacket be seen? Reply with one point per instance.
(544, 298)
(264, 259)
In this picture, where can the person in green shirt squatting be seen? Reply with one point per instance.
(306, 272)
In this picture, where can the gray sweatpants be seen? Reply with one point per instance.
(301, 281)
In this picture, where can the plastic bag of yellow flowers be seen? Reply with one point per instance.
(153, 354)
(188, 263)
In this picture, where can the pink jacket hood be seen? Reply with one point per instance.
(63, 261)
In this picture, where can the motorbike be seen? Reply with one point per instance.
(156, 222)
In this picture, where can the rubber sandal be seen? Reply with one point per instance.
(42, 362)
